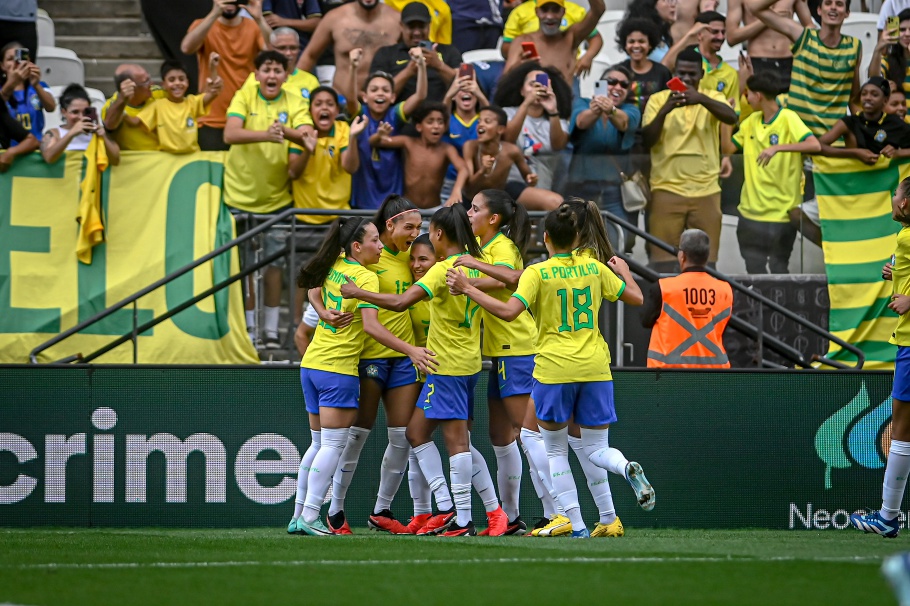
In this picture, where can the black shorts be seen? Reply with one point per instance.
(515, 188)
(781, 67)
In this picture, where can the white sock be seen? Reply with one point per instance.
(557, 445)
(251, 320)
(597, 447)
(482, 481)
(460, 477)
(420, 490)
(508, 477)
(271, 321)
(895, 478)
(536, 452)
(598, 479)
(431, 466)
(357, 437)
(304, 471)
(322, 469)
(394, 463)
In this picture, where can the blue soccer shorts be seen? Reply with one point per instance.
(389, 372)
(510, 376)
(446, 398)
(328, 389)
(591, 403)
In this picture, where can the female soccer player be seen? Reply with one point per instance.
(328, 373)
(886, 521)
(509, 345)
(384, 373)
(447, 396)
(564, 294)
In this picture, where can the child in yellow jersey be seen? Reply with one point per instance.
(385, 373)
(510, 345)
(886, 521)
(328, 371)
(447, 397)
(321, 168)
(173, 120)
(564, 294)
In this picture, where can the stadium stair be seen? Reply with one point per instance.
(104, 33)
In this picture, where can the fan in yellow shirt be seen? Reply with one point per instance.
(173, 119)
(565, 294)
(523, 20)
(440, 18)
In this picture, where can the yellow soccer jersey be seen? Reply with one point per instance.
(324, 182)
(523, 20)
(256, 174)
(333, 349)
(440, 15)
(134, 138)
(769, 192)
(175, 123)
(394, 273)
(454, 324)
(900, 275)
(501, 338)
(564, 294)
(723, 79)
(300, 83)
(420, 322)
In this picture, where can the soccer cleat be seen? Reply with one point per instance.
(314, 529)
(897, 570)
(437, 524)
(292, 526)
(497, 523)
(272, 342)
(455, 530)
(613, 529)
(643, 490)
(338, 524)
(557, 526)
(516, 527)
(416, 523)
(875, 523)
(386, 522)
(584, 533)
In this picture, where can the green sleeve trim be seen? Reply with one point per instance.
(295, 150)
(806, 136)
(507, 40)
(592, 34)
(426, 288)
(522, 299)
(737, 144)
(622, 289)
(367, 306)
(344, 148)
(236, 115)
(510, 266)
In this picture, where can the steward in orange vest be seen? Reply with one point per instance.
(689, 312)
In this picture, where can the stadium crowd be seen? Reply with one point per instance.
(336, 105)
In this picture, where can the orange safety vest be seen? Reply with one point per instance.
(689, 331)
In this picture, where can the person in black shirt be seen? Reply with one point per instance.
(872, 132)
(11, 130)
(442, 61)
(637, 37)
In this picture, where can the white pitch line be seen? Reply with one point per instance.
(580, 560)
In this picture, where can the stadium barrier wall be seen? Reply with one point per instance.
(219, 447)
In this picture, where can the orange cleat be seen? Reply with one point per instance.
(338, 525)
(437, 524)
(386, 522)
(416, 523)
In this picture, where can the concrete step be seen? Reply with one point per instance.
(118, 26)
(59, 9)
(104, 68)
(111, 47)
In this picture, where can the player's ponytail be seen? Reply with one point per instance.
(392, 208)
(454, 223)
(513, 215)
(343, 232)
(562, 226)
(592, 233)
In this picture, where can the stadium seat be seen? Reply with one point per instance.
(607, 26)
(54, 119)
(45, 27)
(483, 54)
(597, 69)
(60, 66)
(863, 26)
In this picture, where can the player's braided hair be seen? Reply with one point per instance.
(342, 234)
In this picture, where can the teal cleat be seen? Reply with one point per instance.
(314, 529)
(292, 526)
(584, 533)
(643, 490)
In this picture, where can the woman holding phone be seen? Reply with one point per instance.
(538, 103)
(80, 124)
(24, 92)
(891, 57)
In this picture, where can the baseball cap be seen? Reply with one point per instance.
(561, 3)
(415, 11)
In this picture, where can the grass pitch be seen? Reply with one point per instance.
(268, 566)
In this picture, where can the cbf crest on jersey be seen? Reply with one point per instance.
(190, 123)
(305, 93)
(721, 86)
(331, 150)
(283, 117)
(34, 101)
(372, 371)
(880, 136)
(774, 139)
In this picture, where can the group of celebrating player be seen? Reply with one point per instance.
(400, 317)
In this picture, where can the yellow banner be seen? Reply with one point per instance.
(161, 212)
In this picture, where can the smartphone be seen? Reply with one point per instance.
(22, 55)
(425, 44)
(542, 79)
(466, 69)
(92, 114)
(530, 47)
(893, 26)
(600, 88)
(677, 85)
